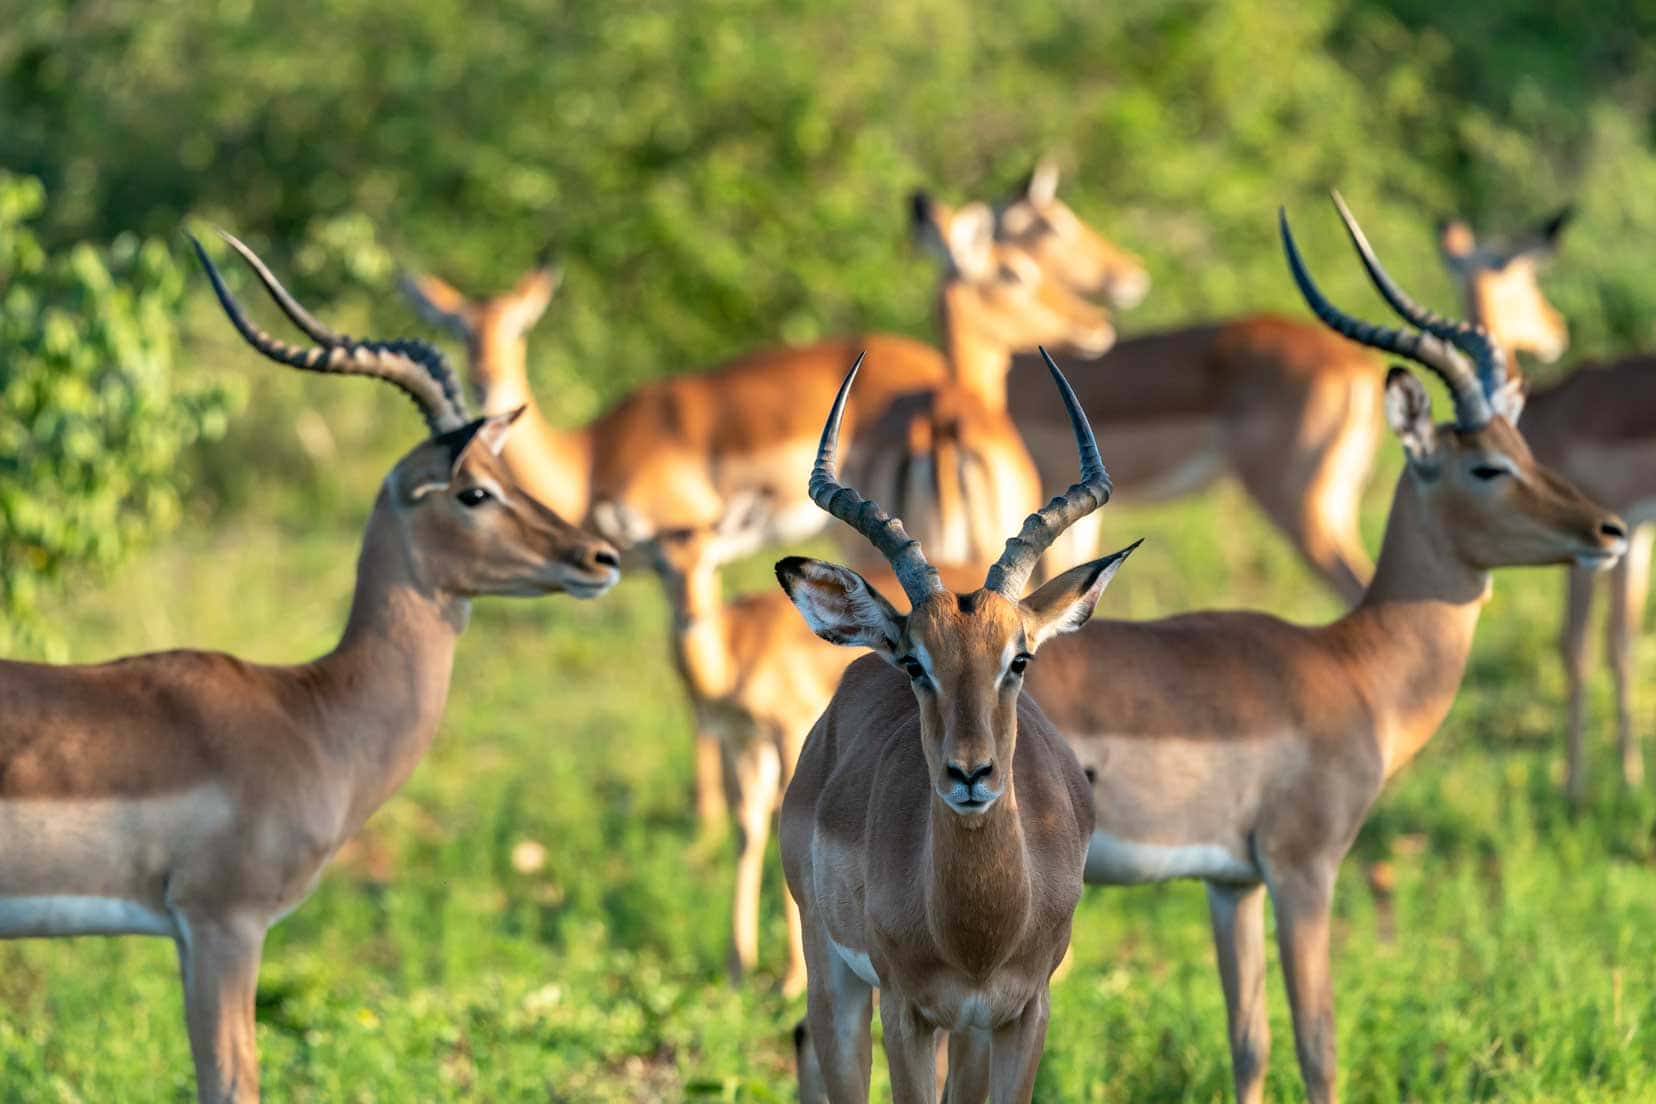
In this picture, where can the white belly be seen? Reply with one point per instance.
(1112, 860)
(23, 917)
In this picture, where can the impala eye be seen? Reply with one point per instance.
(912, 667)
(1019, 662)
(1489, 471)
(473, 497)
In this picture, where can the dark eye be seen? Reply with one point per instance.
(1010, 275)
(1489, 471)
(473, 497)
(1019, 662)
(912, 668)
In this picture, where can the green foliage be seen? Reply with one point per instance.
(725, 174)
(92, 422)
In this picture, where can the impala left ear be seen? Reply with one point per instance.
(1064, 604)
(1041, 186)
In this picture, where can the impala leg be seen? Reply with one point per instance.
(1302, 898)
(219, 960)
(969, 1062)
(1017, 1053)
(758, 777)
(1578, 610)
(839, 1007)
(1629, 587)
(1238, 916)
(712, 808)
(911, 1051)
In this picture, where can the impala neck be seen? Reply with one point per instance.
(977, 883)
(701, 632)
(1478, 315)
(378, 697)
(976, 362)
(1410, 636)
(554, 465)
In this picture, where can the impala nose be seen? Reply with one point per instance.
(1615, 529)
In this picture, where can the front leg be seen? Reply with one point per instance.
(219, 959)
(758, 775)
(911, 1051)
(1238, 916)
(1302, 895)
(1017, 1052)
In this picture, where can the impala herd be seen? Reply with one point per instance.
(952, 745)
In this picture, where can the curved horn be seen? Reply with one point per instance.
(1472, 340)
(918, 578)
(1471, 406)
(415, 367)
(307, 323)
(1011, 572)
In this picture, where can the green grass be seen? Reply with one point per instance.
(1522, 964)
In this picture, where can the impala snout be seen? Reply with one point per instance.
(588, 568)
(1609, 544)
(969, 789)
(1126, 290)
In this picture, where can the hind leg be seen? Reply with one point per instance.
(1629, 587)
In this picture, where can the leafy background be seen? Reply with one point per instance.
(716, 176)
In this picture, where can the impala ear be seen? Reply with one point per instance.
(1041, 186)
(1064, 603)
(528, 299)
(439, 303)
(1409, 413)
(971, 240)
(1508, 401)
(1546, 237)
(494, 430)
(840, 606)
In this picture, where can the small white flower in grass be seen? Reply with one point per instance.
(528, 857)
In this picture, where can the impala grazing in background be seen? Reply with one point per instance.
(684, 452)
(1246, 751)
(948, 458)
(1597, 426)
(935, 829)
(1290, 410)
(196, 796)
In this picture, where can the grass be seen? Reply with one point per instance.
(1511, 960)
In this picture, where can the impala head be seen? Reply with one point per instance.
(493, 329)
(1036, 221)
(467, 528)
(964, 654)
(1501, 286)
(1495, 502)
(679, 554)
(998, 293)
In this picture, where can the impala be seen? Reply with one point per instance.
(1246, 751)
(936, 826)
(948, 458)
(196, 796)
(1289, 409)
(1598, 427)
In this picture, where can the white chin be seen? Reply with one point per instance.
(1596, 561)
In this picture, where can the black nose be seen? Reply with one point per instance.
(1614, 529)
(968, 778)
(607, 557)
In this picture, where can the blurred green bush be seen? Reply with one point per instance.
(721, 174)
(92, 420)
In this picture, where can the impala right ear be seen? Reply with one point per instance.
(528, 299)
(1409, 413)
(1041, 185)
(439, 303)
(840, 606)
